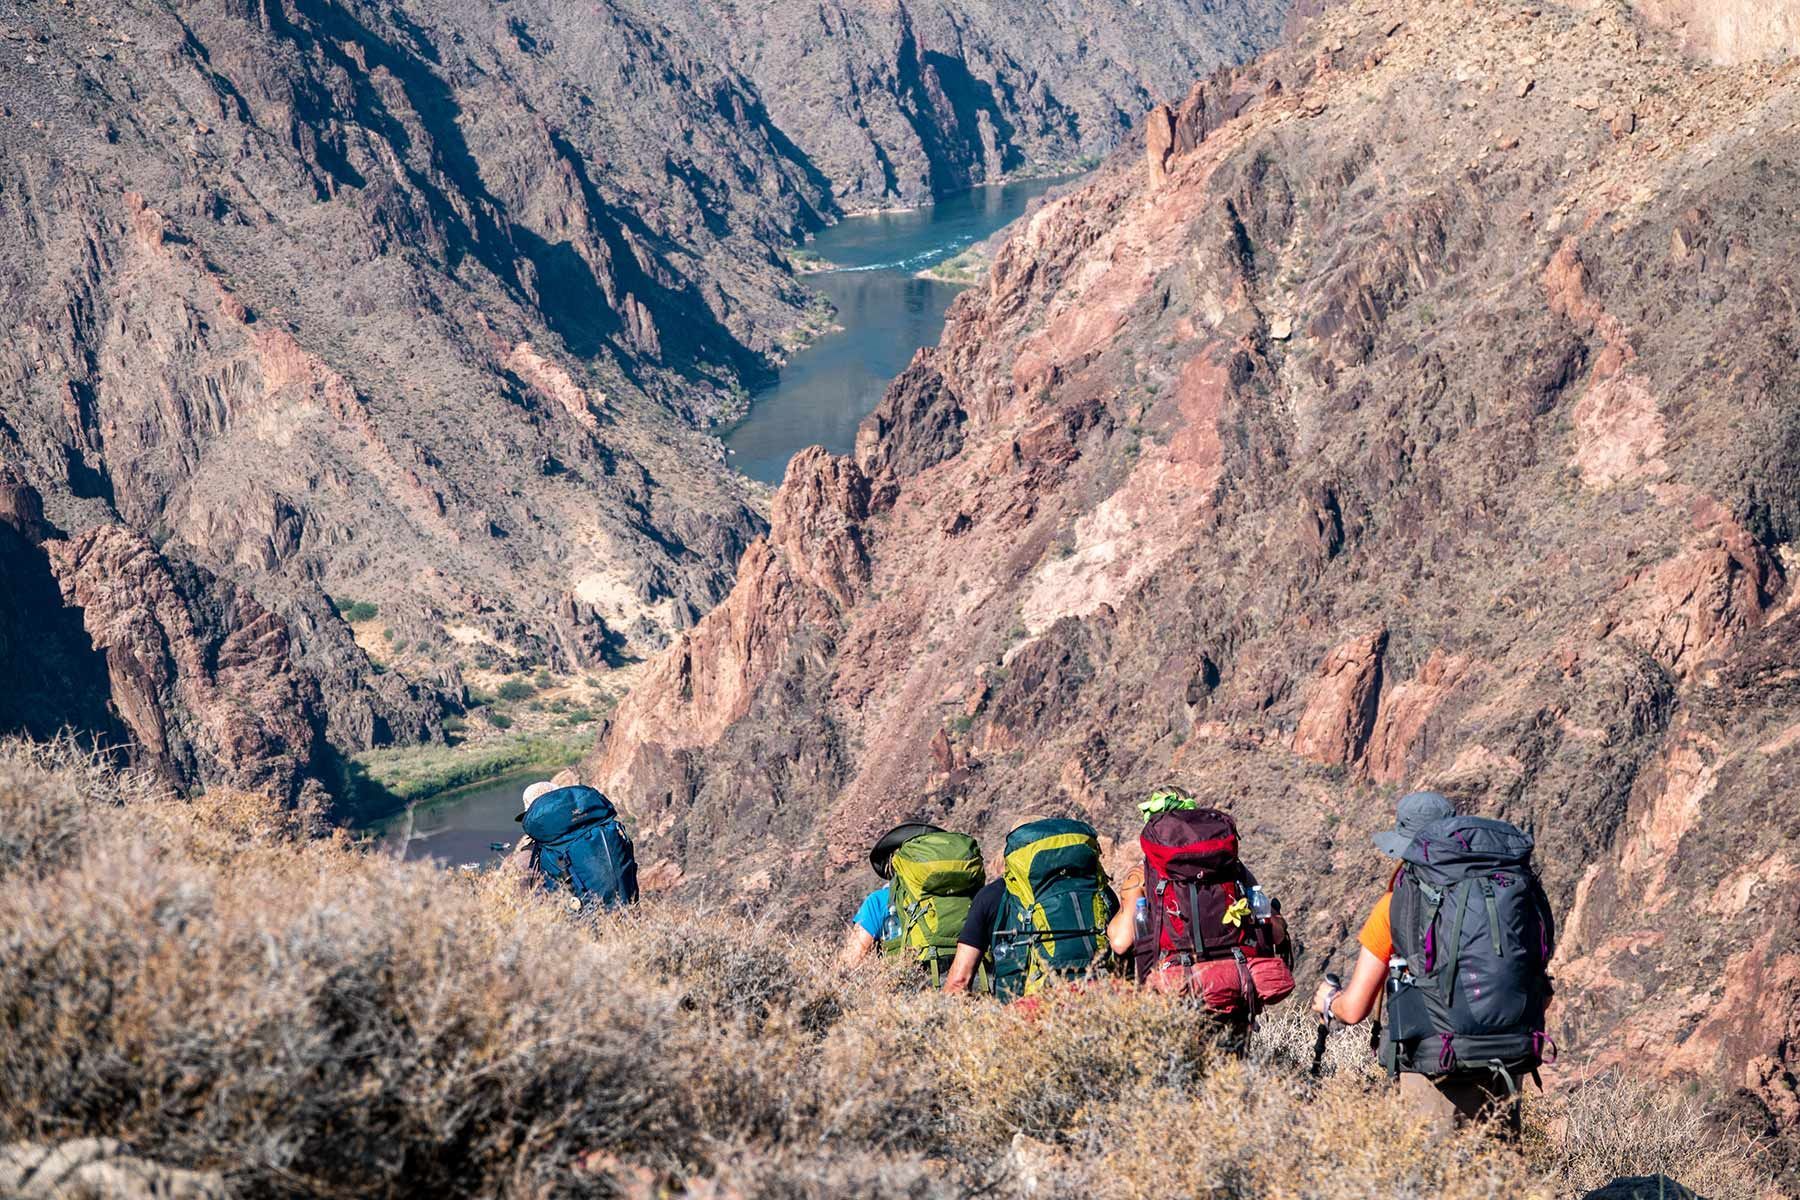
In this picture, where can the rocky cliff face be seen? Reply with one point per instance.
(1413, 407)
(423, 308)
(55, 678)
(1727, 31)
(902, 101)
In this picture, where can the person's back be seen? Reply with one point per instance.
(1472, 926)
(1459, 948)
(932, 876)
(1206, 929)
(1051, 917)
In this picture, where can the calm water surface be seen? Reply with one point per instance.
(457, 828)
(886, 314)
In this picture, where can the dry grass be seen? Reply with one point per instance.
(219, 991)
(1614, 1126)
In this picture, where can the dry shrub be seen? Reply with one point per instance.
(49, 792)
(1616, 1126)
(221, 993)
(1246, 1133)
(1040, 1070)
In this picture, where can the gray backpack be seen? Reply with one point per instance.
(1473, 935)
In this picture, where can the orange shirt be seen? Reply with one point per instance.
(1377, 936)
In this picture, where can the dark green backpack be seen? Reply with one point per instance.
(1053, 918)
(934, 878)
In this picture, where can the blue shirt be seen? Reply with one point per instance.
(874, 912)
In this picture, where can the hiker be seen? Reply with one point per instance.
(519, 860)
(1458, 950)
(1200, 926)
(576, 845)
(1045, 916)
(933, 875)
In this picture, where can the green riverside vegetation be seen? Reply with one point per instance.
(415, 772)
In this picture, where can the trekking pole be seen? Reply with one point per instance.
(1337, 985)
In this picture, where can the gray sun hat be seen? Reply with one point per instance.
(1416, 811)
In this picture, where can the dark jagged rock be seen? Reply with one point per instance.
(54, 679)
(200, 674)
(917, 424)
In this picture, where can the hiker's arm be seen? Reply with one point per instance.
(1121, 931)
(856, 946)
(962, 968)
(1357, 1000)
(518, 858)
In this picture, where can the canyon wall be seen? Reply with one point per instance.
(899, 102)
(330, 301)
(1416, 406)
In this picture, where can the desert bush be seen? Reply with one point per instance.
(1615, 1125)
(52, 796)
(517, 689)
(220, 991)
(357, 611)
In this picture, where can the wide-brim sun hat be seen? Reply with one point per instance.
(881, 856)
(1415, 811)
(542, 787)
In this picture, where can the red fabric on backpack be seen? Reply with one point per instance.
(1192, 878)
(1190, 843)
(1220, 984)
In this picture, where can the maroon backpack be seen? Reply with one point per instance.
(1192, 880)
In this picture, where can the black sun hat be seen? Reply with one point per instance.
(882, 855)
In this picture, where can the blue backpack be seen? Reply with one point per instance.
(580, 846)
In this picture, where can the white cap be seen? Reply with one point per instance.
(534, 791)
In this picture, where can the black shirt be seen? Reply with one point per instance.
(984, 910)
(984, 913)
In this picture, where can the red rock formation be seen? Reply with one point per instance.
(1405, 713)
(1159, 142)
(1341, 705)
(790, 586)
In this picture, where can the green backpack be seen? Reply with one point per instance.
(1053, 918)
(935, 876)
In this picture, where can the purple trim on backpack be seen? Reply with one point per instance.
(1542, 1047)
(1447, 1053)
(1462, 839)
(1430, 946)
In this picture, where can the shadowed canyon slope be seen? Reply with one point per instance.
(901, 101)
(419, 305)
(1416, 406)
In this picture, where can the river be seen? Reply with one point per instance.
(459, 828)
(884, 313)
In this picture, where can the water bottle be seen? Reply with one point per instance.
(890, 926)
(1143, 916)
(1261, 907)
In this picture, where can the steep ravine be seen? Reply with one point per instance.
(424, 307)
(1413, 407)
